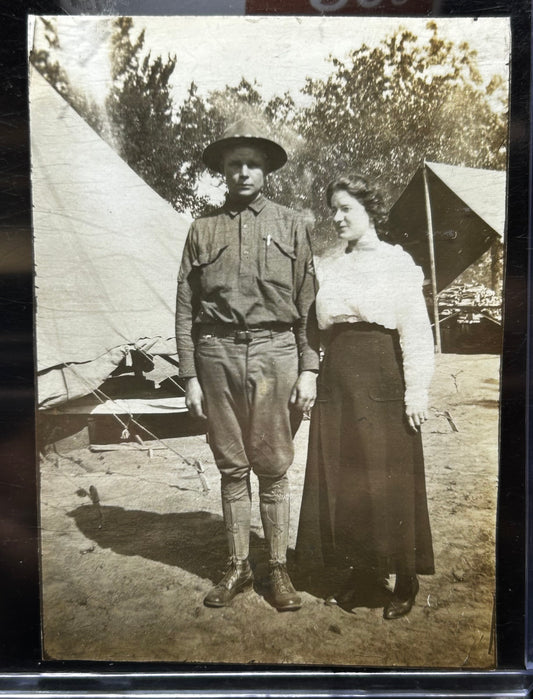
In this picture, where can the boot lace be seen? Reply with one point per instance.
(233, 569)
(281, 580)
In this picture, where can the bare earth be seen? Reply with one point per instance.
(124, 581)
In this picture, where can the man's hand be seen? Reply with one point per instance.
(194, 398)
(303, 394)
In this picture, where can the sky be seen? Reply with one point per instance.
(277, 52)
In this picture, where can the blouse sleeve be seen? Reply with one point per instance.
(415, 333)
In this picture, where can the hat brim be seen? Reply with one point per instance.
(213, 154)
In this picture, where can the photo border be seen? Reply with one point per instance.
(21, 667)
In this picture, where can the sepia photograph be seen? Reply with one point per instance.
(269, 283)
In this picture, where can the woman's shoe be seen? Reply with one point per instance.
(403, 597)
(360, 590)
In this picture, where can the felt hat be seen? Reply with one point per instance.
(248, 133)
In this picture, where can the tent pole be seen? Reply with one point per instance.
(431, 245)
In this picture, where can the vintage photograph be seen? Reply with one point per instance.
(268, 264)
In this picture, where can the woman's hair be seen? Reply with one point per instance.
(366, 194)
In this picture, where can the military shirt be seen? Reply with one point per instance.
(247, 268)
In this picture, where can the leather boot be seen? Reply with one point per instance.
(403, 597)
(360, 588)
(282, 594)
(274, 506)
(238, 577)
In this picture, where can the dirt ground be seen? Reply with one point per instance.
(123, 580)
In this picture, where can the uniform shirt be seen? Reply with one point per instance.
(247, 268)
(381, 284)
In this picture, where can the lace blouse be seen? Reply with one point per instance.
(381, 284)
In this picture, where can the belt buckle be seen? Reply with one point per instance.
(243, 336)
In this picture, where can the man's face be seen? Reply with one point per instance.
(244, 170)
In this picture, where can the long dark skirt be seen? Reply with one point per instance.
(364, 501)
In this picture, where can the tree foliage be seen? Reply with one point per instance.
(385, 109)
(381, 111)
(140, 110)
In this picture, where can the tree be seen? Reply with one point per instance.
(140, 110)
(384, 109)
(195, 127)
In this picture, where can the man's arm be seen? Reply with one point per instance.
(306, 329)
(184, 310)
(185, 304)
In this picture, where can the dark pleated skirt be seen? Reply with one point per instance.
(364, 501)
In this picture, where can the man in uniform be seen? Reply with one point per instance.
(247, 351)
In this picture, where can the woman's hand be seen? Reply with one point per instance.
(416, 416)
(303, 394)
(194, 398)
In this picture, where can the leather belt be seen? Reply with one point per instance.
(240, 334)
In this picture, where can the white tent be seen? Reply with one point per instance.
(107, 250)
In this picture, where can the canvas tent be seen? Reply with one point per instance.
(106, 247)
(447, 217)
(467, 212)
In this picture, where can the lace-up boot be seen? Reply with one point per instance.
(238, 577)
(282, 596)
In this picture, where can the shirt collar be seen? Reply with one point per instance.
(257, 205)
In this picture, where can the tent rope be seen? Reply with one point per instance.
(150, 356)
(196, 465)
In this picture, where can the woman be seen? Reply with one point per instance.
(364, 506)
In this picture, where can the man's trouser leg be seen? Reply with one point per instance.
(271, 377)
(221, 370)
(247, 388)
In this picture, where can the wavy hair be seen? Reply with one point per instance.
(366, 194)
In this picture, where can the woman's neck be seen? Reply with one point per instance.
(368, 241)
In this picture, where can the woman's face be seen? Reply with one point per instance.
(351, 218)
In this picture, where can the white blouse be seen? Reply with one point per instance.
(381, 285)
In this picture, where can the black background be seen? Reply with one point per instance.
(19, 565)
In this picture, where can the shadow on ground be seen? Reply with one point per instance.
(193, 541)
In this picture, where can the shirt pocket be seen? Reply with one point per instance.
(278, 261)
(211, 263)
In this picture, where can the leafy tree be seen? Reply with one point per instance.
(384, 109)
(194, 123)
(140, 111)
(380, 111)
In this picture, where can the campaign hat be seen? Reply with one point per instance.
(248, 133)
